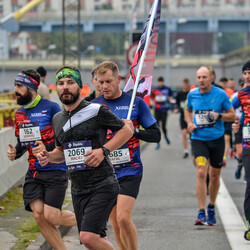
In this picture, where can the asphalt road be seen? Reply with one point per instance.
(167, 206)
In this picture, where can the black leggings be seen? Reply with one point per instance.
(246, 164)
(162, 117)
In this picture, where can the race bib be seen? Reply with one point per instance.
(29, 133)
(74, 155)
(182, 104)
(160, 98)
(246, 132)
(202, 120)
(120, 158)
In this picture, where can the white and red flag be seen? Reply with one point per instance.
(142, 68)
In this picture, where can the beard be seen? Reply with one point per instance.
(24, 99)
(73, 97)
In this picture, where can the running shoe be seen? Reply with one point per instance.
(232, 153)
(224, 163)
(185, 155)
(167, 140)
(238, 172)
(247, 235)
(201, 218)
(211, 216)
(157, 146)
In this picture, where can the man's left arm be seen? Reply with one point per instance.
(228, 116)
(150, 134)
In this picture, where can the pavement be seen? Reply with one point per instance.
(166, 207)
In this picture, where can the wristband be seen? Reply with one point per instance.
(220, 116)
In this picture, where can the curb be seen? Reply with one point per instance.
(41, 244)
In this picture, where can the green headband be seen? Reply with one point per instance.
(69, 73)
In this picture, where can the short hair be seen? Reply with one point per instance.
(223, 79)
(210, 69)
(93, 72)
(103, 67)
(231, 79)
(34, 74)
(68, 67)
(160, 79)
(241, 81)
(42, 71)
(186, 80)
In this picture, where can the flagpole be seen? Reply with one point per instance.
(150, 26)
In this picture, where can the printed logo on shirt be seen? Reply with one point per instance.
(38, 114)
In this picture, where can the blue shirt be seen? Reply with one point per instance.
(43, 113)
(216, 99)
(141, 115)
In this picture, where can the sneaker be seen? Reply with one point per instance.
(157, 146)
(201, 218)
(247, 235)
(224, 163)
(167, 140)
(211, 216)
(232, 153)
(238, 172)
(185, 156)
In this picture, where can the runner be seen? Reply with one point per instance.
(238, 136)
(97, 92)
(126, 160)
(80, 132)
(44, 188)
(244, 99)
(180, 103)
(207, 103)
(162, 96)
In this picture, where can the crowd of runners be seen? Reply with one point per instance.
(91, 142)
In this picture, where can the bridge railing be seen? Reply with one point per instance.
(208, 11)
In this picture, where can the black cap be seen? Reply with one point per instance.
(42, 71)
(246, 66)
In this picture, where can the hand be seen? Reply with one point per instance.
(236, 126)
(11, 153)
(39, 148)
(176, 111)
(191, 127)
(130, 124)
(43, 157)
(96, 156)
(215, 115)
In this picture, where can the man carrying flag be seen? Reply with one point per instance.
(135, 112)
(126, 160)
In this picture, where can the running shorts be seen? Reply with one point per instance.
(130, 185)
(183, 124)
(92, 210)
(238, 137)
(212, 150)
(228, 128)
(48, 185)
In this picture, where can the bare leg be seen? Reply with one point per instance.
(57, 217)
(113, 219)
(184, 139)
(214, 184)
(93, 241)
(49, 231)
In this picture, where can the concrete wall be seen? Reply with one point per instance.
(12, 173)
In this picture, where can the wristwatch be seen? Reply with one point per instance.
(106, 151)
(137, 130)
(220, 116)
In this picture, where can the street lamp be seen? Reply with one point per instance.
(89, 48)
(3, 63)
(181, 41)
